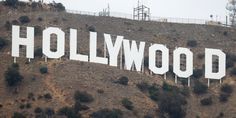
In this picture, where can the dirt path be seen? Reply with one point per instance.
(56, 92)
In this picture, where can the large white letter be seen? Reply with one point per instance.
(113, 50)
(93, 50)
(60, 42)
(152, 59)
(208, 63)
(189, 62)
(133, 55)
(73, 47)
(17, 41)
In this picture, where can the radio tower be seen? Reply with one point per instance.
(141, 12)
(231, 7)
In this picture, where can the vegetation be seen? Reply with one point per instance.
(172, 103)
(13, 76)
(83, 97)
(192, 43)
(197, 73)
(18, 115)
(68, 112)
(143, 86)
(199, 88)
(127, 104)
(11, 3)
(107, 113)
(79, 107)
(24, 19)
(43, 70)
(226, 91)
(123, 80)
(91, 28)
(233, 72)
(3, 43)
(206, 101)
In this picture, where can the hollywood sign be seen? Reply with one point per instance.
(133, 53)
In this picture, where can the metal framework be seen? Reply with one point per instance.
(105, 12)
(141, 12)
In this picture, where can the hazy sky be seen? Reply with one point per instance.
(200, 9)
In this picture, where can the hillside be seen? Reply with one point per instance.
(56, 88)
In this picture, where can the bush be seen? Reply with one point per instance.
(43, 70)
(227, 89)
(192, 43)
(123, 80)
(127, 104)
(3, 43)
(60, 7)
(24, 19)
(206, 101)
(233, 72)
(197, 73)
(79, 107)
(12, 75)
(143, 86)
(11, 3)
(167, 87)
(154, 92)
(92, 28)
(200, 56)
(172, 104)
(185, 91)
(8, 25)
(230, 59)
(107, 113)
(38, 110)
(199, 88)
(49, 112)
(83, 97)
(68, 112)
(224, 97)
(40, 19)
(48, 96)
(18, 115)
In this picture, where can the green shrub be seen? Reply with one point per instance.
(123, 80)
(127, 104)
(224, 97)
(3, 43)
(206, 101)
(107, 113)
(38, 110)
(24, 19)
(43, 70)
(233, 72)
(18, 115)
(49, 112)
(227, 89)
(172, 103)
(48, 96)
(192, 43)
(167, 87)
(8, 25)
(143, 86)
(92, 28)
(83, 97)
(199, 88)
(197, 73)
(68, 112)
(79, 107)
(154, 92)
(11, 3)
(13, 76)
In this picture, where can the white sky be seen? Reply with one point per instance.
(199, 9)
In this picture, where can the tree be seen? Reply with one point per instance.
(13, 76)
(127, 104)
(11, 3)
